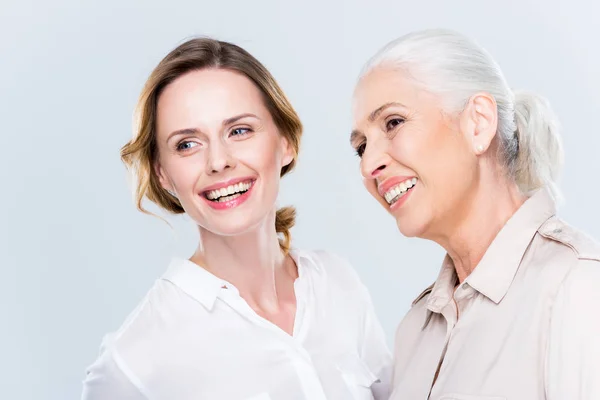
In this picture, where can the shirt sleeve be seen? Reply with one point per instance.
(376, 354)
(573, 358)
(106, 379)
(374, 351)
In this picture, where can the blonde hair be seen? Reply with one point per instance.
(140, 153)
(449, 64)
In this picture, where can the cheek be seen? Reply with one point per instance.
(449, 171)
(182, 172)
(262, 155)
(371, 187)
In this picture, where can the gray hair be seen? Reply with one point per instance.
(454, 67)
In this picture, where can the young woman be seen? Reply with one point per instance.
(247, 316)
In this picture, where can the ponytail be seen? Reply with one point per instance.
(539, 156)
(284, 221)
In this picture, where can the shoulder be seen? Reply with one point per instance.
(565, 236)
(580, 283)
(117, 367)
(147, 325)
(337, 270)
(150, 312)
(331, 262)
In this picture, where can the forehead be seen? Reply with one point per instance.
(382, 86)
(206, 96)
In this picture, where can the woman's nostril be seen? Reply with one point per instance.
(377, 170)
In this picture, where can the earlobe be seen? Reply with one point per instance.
(287, 160)
(288, 154)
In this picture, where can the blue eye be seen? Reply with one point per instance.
(239, 131)
(183, 146)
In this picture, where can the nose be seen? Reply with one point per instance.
(375, 159)
(219, 158)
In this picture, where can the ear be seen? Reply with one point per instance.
(287, 151)
(162, 177)
(479, 121)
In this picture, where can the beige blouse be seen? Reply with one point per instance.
(525, 325)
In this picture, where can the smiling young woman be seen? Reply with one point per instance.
(247, 316)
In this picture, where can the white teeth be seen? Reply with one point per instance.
(228, 192)
(395, 192)
(228, 198)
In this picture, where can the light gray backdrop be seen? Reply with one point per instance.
(74, 254)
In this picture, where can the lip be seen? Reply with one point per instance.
(222, 185)
(389, 183)
(401, 200)
(228, 205)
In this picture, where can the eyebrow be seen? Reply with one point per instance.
(194, 131)
(373, 116)
(233, 120)
(185, 131)
(379, 110)
(354, 135)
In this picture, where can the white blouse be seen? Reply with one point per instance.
(194, 337)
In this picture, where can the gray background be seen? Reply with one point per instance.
(75, 255)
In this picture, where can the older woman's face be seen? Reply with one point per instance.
(415, 160)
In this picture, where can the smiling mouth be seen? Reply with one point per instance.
(395, 193)
(228, 193)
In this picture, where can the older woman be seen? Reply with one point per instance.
(457, 157)
(247, 316)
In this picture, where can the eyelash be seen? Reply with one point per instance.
(180, 145)
(246, 131)
(400, 122)
(180, 148)
(360, 149)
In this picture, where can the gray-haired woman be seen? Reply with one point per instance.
(457, 157)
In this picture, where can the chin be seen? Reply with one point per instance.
(231, 226)
(411, 227)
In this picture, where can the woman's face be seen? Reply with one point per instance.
(415, 160)
(219, 150)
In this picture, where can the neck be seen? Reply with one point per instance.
(467, 235)
(253, 262)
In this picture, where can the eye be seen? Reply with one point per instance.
(393, 123)
(239, 131)
(360, 149)
(186, 145)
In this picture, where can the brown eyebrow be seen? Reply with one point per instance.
(233, 120)
(185, 131)
(354, 135)
(379, 110)
(194, 131)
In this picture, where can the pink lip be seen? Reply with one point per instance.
(402, 200)
(389, 183)
(227, 205)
